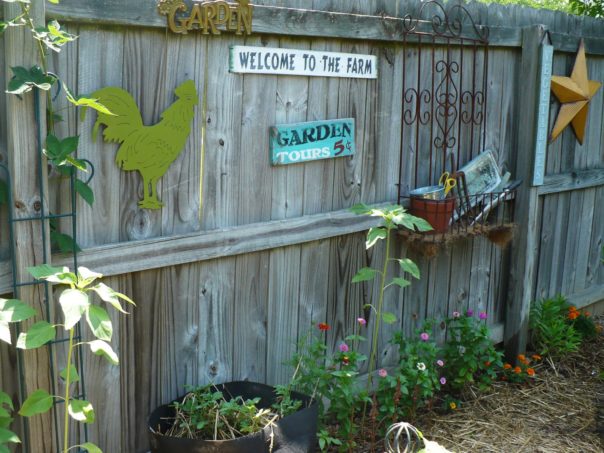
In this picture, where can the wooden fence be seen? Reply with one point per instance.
(244, 258)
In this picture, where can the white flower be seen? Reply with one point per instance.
(461, 349)
(421, 366)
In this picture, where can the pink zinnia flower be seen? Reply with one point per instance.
(443, 380)
(456, 314)
(382, 372)
(482, 315)
(424, 336)
(362, 321)
(343, 347)
(440, 362)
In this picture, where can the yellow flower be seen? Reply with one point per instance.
(452, 405)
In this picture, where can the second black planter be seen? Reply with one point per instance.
(295, 433)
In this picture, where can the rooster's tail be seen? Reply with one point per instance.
(125, 119)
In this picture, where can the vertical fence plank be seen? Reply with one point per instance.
(287, 202)
(526, 241)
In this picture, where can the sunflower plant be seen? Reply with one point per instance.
(78, 307)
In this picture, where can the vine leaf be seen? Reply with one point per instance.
(364, 274)
(13, 310)
(85, 191)
(52, 274)
(410, 267)
(102, 348)
(388, 318)
(99, 322)
(111, 296)
(25, 80)
(73, 374)
(52, 36)
(38, 335)
(60, 152)
(83, 101)
(401, 282)
(90, 447)
(64, 242)
(81, 410)
(374, 235)
(37, 403)
(74, 304)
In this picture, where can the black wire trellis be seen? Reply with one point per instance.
(44, 217)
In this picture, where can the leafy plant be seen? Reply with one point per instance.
(469, 353)
(582, 322)
(415, 380)
(205, 413)
(393, 217)
(76, 303)
(522, 372)
(60, 152)
(6, 435)
(551, 333)
(331, 379)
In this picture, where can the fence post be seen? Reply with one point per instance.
(525, 246)
(28, 178)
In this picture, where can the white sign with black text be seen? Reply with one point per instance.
(266, 60)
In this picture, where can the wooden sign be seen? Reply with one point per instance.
(547, 56)
(266, 60)
(208, 17)
(315, 140)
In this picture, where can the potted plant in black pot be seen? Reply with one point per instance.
(235, 417)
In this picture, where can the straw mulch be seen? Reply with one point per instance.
(562, 410)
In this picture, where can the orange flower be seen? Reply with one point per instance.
(573, 315)
(587, 314)
(517, 370)
(521, 357)
(507, 366)
(530, 372)
(536, 357)
(323, 327)
(452, 405)
(487, 363)
(572, 308)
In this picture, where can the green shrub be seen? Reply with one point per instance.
(552, 334)
(470, 356)
(415, 380)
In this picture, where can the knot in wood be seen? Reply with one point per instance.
(37, 206)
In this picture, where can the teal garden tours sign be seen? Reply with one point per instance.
(315, 140)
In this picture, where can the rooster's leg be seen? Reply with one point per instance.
(150, 200)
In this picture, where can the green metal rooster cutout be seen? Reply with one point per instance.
(150, 150)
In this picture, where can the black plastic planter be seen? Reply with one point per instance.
(295, 433)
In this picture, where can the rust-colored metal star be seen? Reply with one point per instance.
(574, 93)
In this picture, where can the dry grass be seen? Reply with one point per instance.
(558, 412)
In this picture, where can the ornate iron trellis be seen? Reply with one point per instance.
(444, 100)
(44, 217)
